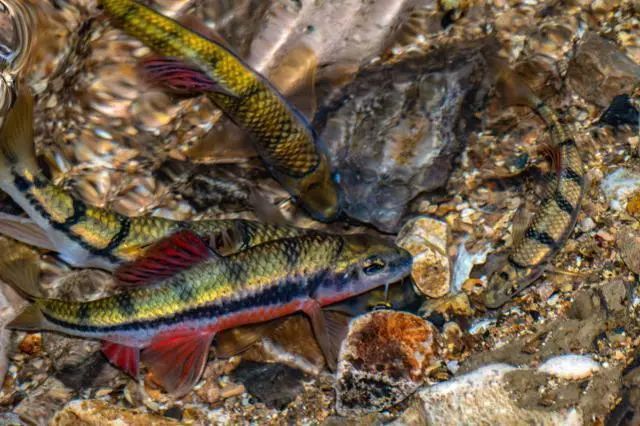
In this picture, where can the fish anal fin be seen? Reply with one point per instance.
(295, 77)
(180, 77)
(325, 331)
(164, 259)
(30, 319)
(520, 222)
(20, 268)
(126, 358)
(176, 359)
(25, 230)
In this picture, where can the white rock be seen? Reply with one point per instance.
(618, 187)
(464, 264)
(570, 366)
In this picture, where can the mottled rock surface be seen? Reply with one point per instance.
(397, 129)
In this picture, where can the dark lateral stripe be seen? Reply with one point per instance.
(79, 213)
(277, 294)
(123, 233)
(83, 313)
(515, 263)
(563, 203)
(572, 176)
(22, 184)
(567, 142)
(541, 237)
(125, 304)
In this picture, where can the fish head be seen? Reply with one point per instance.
(318, 194)
(507, 281)
(364, 263)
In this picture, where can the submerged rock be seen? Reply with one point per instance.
(385, 358)
(276, 385)
(396, 130)
(426, 239)
(628, 242)
(600, 70)
(621, 112)
(96, 412)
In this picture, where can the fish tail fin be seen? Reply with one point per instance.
(17, 152)
(20, 268)
(31, 318)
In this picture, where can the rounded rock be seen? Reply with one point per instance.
(386, 356)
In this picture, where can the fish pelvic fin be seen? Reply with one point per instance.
(25, 230)
(177, 359)
(17, 151)
(329, 328)
(126, 358)
(165, 259)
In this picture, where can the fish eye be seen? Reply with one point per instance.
(503, 275)
(373, 265)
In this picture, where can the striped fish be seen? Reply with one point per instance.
(281, 134)
(91, 236)
(183, 294)
(552, 224)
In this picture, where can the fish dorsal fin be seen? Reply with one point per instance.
(294, 76)
(176, 359)
(126, 358)
(165, 259)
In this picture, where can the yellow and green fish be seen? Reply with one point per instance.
(282, 135)
(534, 246)
(180, 294)
(90, 236)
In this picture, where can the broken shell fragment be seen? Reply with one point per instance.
(386, 356)
(426, 239)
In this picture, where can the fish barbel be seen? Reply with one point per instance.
(90, 236)
(180, 294)
(534, 246)
(283, 137)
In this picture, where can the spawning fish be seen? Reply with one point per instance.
(552, 224)
(184, 294)
(86, 235)
(282, 135)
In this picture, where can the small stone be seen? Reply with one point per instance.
(426, 239)
(31, 344)
(628, 242)
(570, 367)
(458, 304)
(97, 412)
(633, 204)
(620, 112)
(232, 390)
(386, 356)
(276, 385)
(619, 186)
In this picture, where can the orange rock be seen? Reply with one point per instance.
(31, 344)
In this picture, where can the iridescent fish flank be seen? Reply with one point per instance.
(86, 235)
(555, 219)
(282, 135)
(184, 294)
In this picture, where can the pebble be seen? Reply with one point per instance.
(570, 367)
(386, 356)
(97, 412)
(426, 239)
(619, 185)
(628, 242)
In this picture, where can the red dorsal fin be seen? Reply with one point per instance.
(164, 259)
(181, 78)
(176, 359)
(554, 153)
(125, 358)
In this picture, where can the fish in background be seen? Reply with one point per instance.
(180, 294)
(282, 135)
(87, 236)
(535, 243)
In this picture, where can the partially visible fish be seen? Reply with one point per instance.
(536, 244)
(91, 236)
(282, 135)
(184, 294)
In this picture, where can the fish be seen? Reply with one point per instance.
(181, 293)
(538, 241)
(88, 236)
(282, 135)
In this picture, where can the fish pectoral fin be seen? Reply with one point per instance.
(126, 358)
(164, 259)
(325, 331)
(554, 154)
(176, 359)
(520, 222)
(30, 319)
(181, 78)
(25, 230)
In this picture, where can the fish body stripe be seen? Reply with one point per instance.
(571, 175)
(123, 232)
(79, 213)
(541, 237)
(563, 203)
